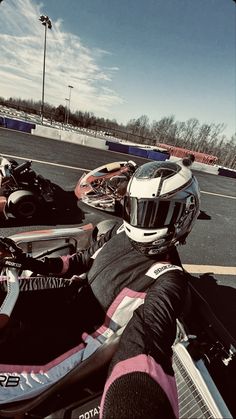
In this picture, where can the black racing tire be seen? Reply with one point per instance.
(23, 204)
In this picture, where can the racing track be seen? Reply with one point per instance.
(210, 250)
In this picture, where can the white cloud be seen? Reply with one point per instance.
(68, 61)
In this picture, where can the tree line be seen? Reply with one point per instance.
(191, 134)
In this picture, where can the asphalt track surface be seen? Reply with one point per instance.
(210, 250)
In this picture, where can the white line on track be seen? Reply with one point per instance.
(46, 162)
(88, 170)
(218, 194)
(220, 270)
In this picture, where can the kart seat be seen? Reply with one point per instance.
(89, 367)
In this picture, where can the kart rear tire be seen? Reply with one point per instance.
(22, 204)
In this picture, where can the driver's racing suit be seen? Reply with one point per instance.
(113, 269)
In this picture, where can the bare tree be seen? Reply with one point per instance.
(162, 130)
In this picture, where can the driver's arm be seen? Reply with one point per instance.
(75, 264)
(141, 381)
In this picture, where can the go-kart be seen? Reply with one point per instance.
(104, 187)
(24, 194)
(203, 353)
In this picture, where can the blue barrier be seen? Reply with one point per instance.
(19, 125)
(137, 151)
(223, 171)
(120, 148)
(157, 155)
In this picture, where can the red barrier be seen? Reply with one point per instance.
(183, 152)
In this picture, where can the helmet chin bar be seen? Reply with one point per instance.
(151, 249)
(158, 245)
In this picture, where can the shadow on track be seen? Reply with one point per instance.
(213, 319)
(203, 216)
(221, 298)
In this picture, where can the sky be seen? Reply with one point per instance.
(124, 58)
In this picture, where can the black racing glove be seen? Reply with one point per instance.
(12, 256)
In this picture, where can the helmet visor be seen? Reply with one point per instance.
(150, 213)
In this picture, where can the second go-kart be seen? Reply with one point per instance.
(104, 187)
(203, 353)
(24, 194)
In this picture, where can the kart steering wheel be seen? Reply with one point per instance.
(9, 302)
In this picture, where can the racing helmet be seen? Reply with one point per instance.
(160, 207)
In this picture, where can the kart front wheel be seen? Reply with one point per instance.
(22, 204)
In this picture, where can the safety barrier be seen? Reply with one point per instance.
(69, 136)
(224, 171)
(16, 124)
(182, 152)
(138, 151)
(206, 165)
(158, 155)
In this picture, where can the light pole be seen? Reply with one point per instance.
(68, 113)
(46, 22)
(66, 110)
